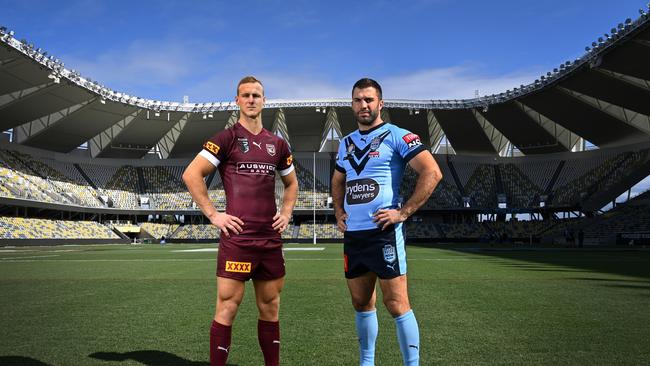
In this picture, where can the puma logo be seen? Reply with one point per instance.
(275, 341)
(219, 348)
(391, 266)
(258, 144)
(413, 346)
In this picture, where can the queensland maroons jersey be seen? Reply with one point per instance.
(247, 165)
(373, 162)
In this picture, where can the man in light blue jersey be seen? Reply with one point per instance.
(370, 211)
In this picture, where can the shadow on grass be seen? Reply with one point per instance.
(21, 361)
(612, 260)
(149, 358)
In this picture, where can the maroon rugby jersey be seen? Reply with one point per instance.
(247, 165)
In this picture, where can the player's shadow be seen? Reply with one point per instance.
(149, 358)
(21, 361)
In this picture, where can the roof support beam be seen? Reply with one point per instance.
(385, 115)
(167, 142)
(28, 130)
(641, 83)
(234, 117)
(632, 118)
(435, 130)
(498, 140)
(10, 62)
(331, 124)
(103, 140)
(563, 136)
(10, 99)
(280, 125)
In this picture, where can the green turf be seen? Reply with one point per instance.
(149, 305)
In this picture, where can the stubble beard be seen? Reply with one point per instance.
(367, 121)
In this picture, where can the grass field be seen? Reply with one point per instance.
(152, 305)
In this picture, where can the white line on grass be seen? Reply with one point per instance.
(11, 259)
(215, 250)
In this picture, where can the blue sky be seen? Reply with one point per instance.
(417, 49)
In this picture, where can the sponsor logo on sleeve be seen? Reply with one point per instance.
(290, 160)
(239, 267)
(361, 191)
(212, 147)
(412, 140)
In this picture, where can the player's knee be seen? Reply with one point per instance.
(396, 307)
(362, 304)
(227, 308)
(269, 309)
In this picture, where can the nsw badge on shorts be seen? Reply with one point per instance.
(389, 253)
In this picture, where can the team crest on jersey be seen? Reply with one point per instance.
(389, 253)
(412, 140)
(351, 149)
(243, 145)
(270, 148)
(374, 144)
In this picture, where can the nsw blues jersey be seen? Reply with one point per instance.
(373, 162)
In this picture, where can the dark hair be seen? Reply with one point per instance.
(368, 83)
(247, 80)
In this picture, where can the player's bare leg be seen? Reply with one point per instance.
(229, 295)
(267, 296)
(395, 294)
(362, 291)
(396, 299)
(364, 297)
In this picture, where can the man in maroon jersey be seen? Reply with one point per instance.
(250, 246)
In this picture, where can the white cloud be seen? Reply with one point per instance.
(144, 64)
(458, 82)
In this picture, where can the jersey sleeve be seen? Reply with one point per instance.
(408, 144)
(215, 150)
(340, 156)
(285, 165)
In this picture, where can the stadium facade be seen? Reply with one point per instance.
(80, 161)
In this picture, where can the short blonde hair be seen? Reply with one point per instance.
(247, 80)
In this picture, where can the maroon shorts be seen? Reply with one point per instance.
(243, 259)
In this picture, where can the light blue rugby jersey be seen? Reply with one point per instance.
(373, 162)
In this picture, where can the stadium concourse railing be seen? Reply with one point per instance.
(142, 188)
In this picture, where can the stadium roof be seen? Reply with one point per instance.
(601, 97)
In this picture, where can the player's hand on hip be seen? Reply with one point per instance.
(387, 217)
(227, 223)
(340, 221)
(280, 222)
